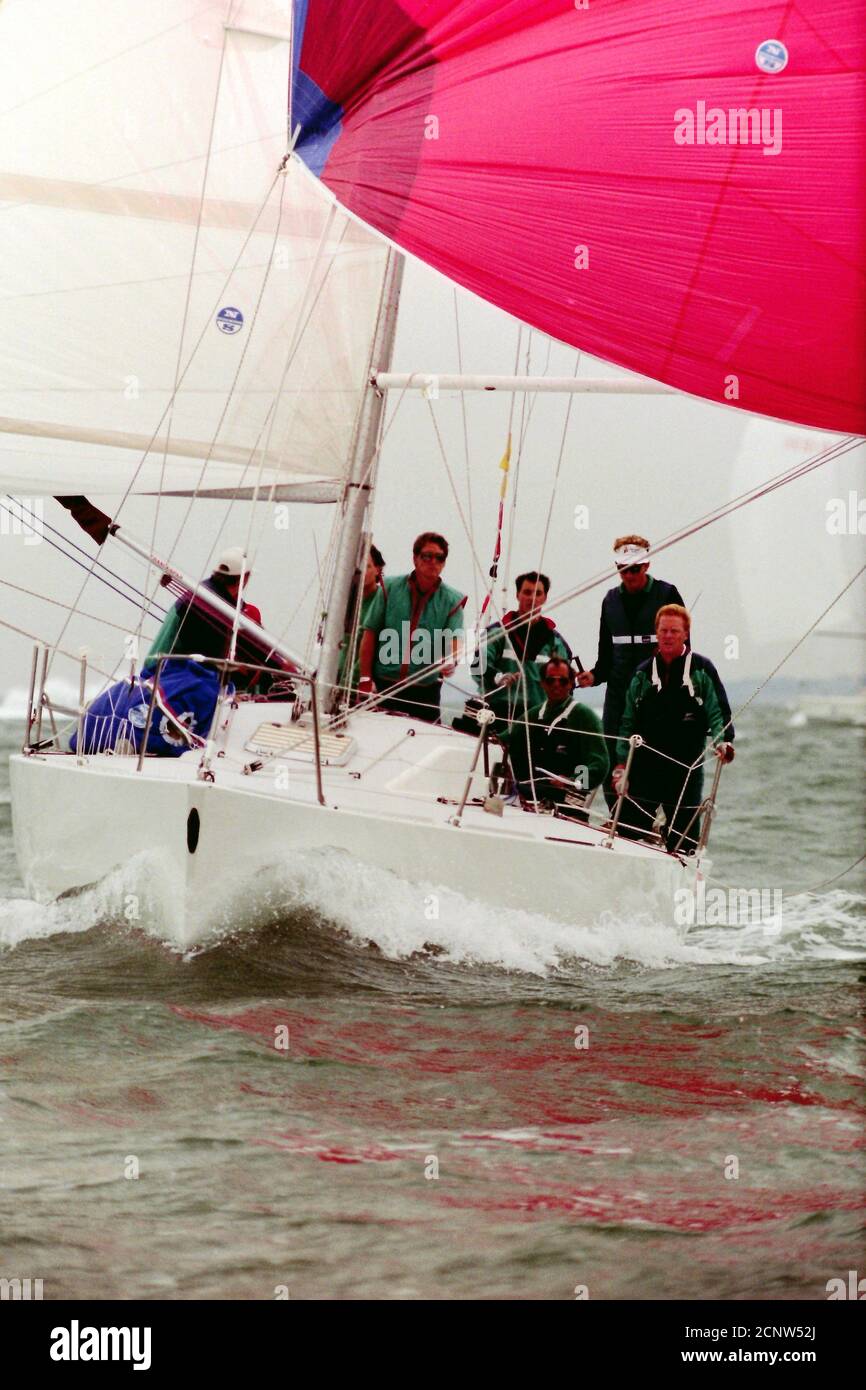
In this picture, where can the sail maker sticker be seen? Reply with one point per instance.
(771, 56)
(229, 320)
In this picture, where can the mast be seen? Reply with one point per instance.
(358, 494)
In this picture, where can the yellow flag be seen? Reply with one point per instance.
(505, 464)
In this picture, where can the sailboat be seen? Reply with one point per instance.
(207, 208)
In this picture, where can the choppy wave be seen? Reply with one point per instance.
(328, 891)
(21, 919)
(138, 894)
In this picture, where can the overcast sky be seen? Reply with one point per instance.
(649, 465)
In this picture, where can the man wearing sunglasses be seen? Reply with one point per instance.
(626, 634)
(413, 628)
(557, 752)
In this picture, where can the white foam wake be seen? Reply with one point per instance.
(138, 895)
(401, 919)
(373, 907)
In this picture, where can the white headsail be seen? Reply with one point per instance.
(140, 150)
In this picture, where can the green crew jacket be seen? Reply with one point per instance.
(641, 682)
(496, 656)
(366, 605)
(566, 738)
(413, 630)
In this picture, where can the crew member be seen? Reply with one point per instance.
(672, 703)
(193, 628)
(558, 752)
(511, 654)
(372, 583)
(626, 630)
(413, 629)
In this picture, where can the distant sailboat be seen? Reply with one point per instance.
(194, 315)
(834, 709)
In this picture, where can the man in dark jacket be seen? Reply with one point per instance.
(627, 637)
(557, 752)
(672, 704)
(190, 626)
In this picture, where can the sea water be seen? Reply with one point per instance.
(354, 1096)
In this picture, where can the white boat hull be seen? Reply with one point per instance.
(77, 822)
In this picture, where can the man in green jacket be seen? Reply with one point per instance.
(512, 654)
(673, 705)
(413, 628)
(558, 751)
(192, 627)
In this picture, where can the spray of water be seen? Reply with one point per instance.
(371, 907)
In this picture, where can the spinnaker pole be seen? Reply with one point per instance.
(99, 527)
(358, 494)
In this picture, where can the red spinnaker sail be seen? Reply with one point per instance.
(678, 189)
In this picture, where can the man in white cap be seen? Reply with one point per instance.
(192, 627)
(627, 633)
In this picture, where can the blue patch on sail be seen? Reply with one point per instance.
(230, 320)
(320, 120)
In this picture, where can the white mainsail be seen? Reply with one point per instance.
(140, 153)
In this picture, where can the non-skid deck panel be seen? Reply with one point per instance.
(294, 740)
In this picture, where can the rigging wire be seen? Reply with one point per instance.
(561, 455)
(460, 512)
(364, 481)
(521, 438)
(776, 669)
(528, 404)
(267, 423)
(111, 58)
(66, 540)
(135, 597)
(779, 480)
(521, 663)
(810, 629)
(38, 641)
(825, 883)
(125, 284)
(91, 617)
(306, 310)
(465, 423)
(229, 397)
(188, 295)
(205, 324)
(797, 892)
(89, 564)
